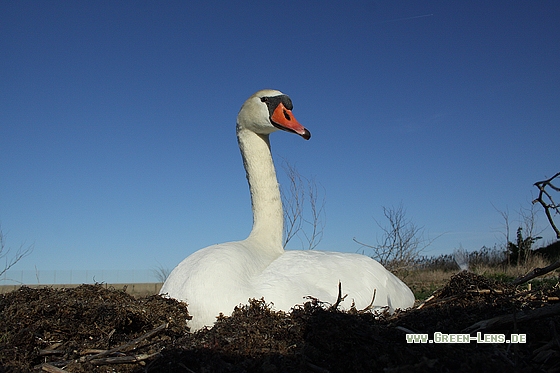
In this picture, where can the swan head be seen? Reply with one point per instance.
(267, 111)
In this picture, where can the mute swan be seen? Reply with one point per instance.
(217, 278)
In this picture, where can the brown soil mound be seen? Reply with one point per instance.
(93, 329)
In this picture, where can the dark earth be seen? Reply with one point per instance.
(94, 329)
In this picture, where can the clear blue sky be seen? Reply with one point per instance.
(117, 120)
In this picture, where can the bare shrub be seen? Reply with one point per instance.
(490, 256)
(520, 248)
(401, 243)
(161, 273)
(444, 262)
(304, 209)
(10, 261)
(486, 256)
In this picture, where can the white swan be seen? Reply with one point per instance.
(217, 278)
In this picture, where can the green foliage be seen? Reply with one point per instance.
(521, 249)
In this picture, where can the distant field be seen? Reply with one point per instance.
(137, 290)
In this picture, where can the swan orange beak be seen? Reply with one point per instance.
(283, 119)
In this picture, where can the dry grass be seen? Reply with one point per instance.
(512, 271)
(424, 282)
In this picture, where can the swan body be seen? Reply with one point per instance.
(217, 278)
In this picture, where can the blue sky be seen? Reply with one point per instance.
(117, 120)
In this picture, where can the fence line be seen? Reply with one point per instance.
(53, 277)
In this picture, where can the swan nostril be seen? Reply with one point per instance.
(287, 116)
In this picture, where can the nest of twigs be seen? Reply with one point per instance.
(94, 329)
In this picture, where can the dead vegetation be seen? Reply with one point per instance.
(94, 329)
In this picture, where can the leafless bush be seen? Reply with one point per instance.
(304, 209)
(489, 256)
(443, 262)
(486, 256)
(520, 248)
(10, 261)
(401, 243)
(161, 273)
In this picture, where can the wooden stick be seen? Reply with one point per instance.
(52, 369)
(122, 359)
(426, 301)
(50, 352)
(90, 351)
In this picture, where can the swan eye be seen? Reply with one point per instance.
(264, 99)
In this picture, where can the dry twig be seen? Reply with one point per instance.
(370, 305)
(100, 357)
(339, 298)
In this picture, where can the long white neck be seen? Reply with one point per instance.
(268, 217)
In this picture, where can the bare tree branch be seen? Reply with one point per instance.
(505, 216)
(298, 222)
(4, 253)
(292, 202)
(550, 204)
(316, 222)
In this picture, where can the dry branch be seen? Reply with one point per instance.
(426, 301)
(100, 357)
(123, 359)
(339, 298)
(536, 273)
(511, 318)
(541, 185)
(19, 254)
(300, 192)
(401, 241)
(127, 345)
(433, 300)
(50, 352)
